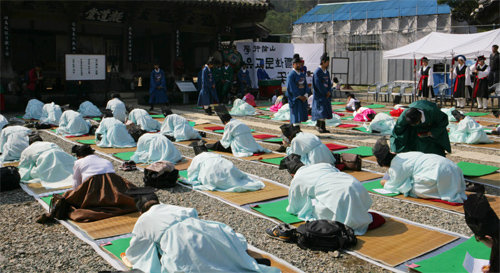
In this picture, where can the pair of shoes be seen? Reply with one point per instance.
(208, 111)
(321, 127)
(128, 166)
(473, 187)
(282, 232)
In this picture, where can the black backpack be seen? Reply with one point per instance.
(135, 131)
(159, 176)
(9, 178)
(325, 235)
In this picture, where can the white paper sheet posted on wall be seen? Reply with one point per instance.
(85, 67)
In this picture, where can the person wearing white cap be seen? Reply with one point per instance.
(461, 74)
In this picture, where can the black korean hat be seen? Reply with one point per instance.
(382, 152)
(479, 215)
(324, 57)
(457, 115)
(289, 130)
(223, 114)
(142, 196)
(199, 147)
(291, 163)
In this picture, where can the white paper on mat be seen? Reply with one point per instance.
(383, 191)
(473, 265)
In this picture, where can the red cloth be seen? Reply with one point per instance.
(377, 221)
(32, 78)
(76, 136)
(213, 128)
(334, 147)
(250, 99)
(446, 202)
(397, 112)
(340, 114)
(348, 125)
(264, 136)
(340, 166)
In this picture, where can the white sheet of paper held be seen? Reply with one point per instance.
(473, 265)
(382, 191)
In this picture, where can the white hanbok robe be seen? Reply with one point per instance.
(51, 113)
(118, 108)
(238, 136)
(3, 122)
(155, 147)
(311, 149)
(468, 131)
(47, 163)
(321, 191)
(33, 109)
(88, 109)
(142, 118)
(382, 123)
(242, 108)
(422, 175)
(334, 121)
(448, 111)
(72, 123)
(283, 113)
(179, 128)
(114, 134)
(212, 172)
(13, 141)
(169, 238)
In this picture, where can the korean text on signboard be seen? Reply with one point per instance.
(85, 67)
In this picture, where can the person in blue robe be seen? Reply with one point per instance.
(88, 109)
(13, 141)
(296, 91)
(420, 175)
(308, 146)
(72, 123)
(117, 107)
(33, 109)
(157, 87)
(261, 72)
(208, 93)
(46, 163)
(155, 147)
(244, 80)
(112, 133)
(322, 192)
(51, 113)
(142, 118)
(168, 238)
(212, 172)
(322, 85)
(237, 138)
(177, 127)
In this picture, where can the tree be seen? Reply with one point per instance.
(460, 9)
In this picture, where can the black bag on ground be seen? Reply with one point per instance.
(161, 174)
(9, 178)
(135, 131)
(325, 235)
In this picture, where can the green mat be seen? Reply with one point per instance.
(86, 141)
(370, 186)
(157, 116)
(219, 131)
(362, 129)
(347, 118)
(265, 117)
(453, 259)
(265, 103)
(124, 156)
(275, 161)
(198, 107)
(118, 246)
(96, 119)
(274, 140)
(46, 199)
(476, 114)
(192, 123)
(53, 130)
(20, 117)
(183, 173)
(338, 103)
(339, 110)
(277, 210)
(374, 106)
(263, 108)
(474, 169)
(361, 150)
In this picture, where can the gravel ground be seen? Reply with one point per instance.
(26, 246)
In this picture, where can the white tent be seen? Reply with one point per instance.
(442, 45)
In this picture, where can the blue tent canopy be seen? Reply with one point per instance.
(372, 10)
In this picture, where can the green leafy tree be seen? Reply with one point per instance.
(461, 9)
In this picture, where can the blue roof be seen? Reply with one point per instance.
(371, 10)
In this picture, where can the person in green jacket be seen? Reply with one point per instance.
(227, 80)
(218, 80)
(422, 128)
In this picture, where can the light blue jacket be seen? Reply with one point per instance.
(382, 123)
(283, 113)
(114, 134)
(33, 109)
(311, 149)
(179, 128)
(51, 113)
(142, 118)
(242, 108)
(155, 147)
(88, 109)
(118, 108)
(468, 131)
(13, 141)
(238, 136)
(72, 123)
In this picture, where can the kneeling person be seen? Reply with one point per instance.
(421, 175)
(467, 130)
(142, 118)
(155, 147)
(169, 238)
(177, 127)
(13, 141)
(113, 133)
(237, 137)
(72, 123)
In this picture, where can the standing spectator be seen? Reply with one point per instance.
(494, 76)
(157, 87)
(244, 80)
(35, 81)
(208, 94)
(296, 92)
